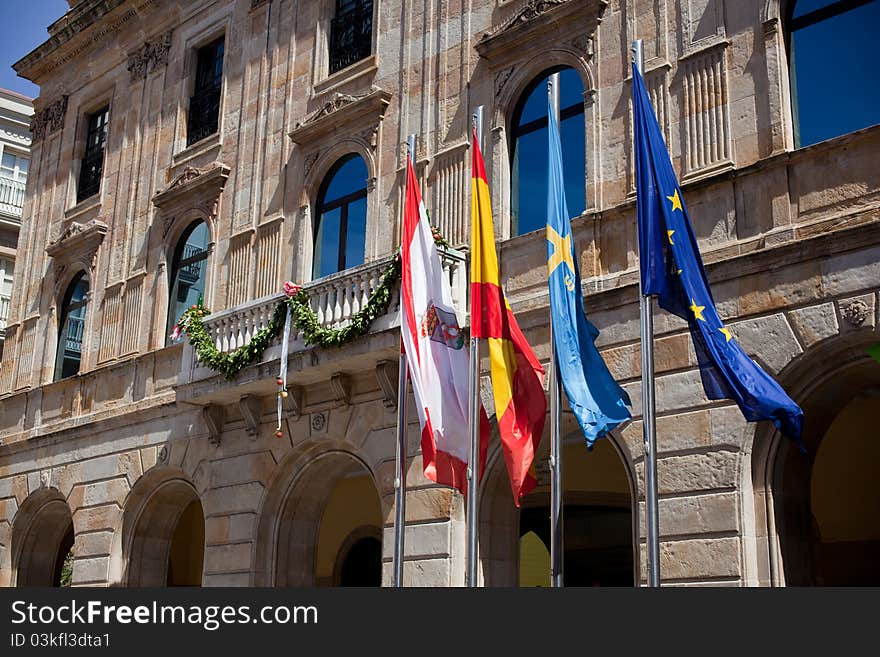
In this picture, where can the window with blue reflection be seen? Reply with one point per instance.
(528, 163)
(832, 65)
(341, 217)
(189, 274)
(72, 320)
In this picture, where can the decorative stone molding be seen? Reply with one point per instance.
(855, 313)
(543, 20)
(162, 458)
(502, 77)
(318, 422)
(192, 181)
(149, 57)
(386, 375)
(214, 416)
(257, 3)
(78, 242)
(49, 119)
(341, 110)
(341, 387)
(251, 408)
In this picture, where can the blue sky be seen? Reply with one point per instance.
(22, 29)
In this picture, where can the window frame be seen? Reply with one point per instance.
(95, 152)
(16, 170)
(516, 131)
(202, 89)
(342, 203)
(66, 308)
(177, 264)
(355, 6)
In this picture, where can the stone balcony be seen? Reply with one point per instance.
(335, 299)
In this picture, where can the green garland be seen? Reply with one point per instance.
(230, 364)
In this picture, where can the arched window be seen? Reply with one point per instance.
(71, 323)
(831, 60)
(189, 272)
(341, 218)
(528, 151)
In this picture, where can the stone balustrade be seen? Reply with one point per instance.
(11, 196)
(335, 299)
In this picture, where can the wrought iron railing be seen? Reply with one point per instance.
(204, 114)
(90, 173)
(73, 339)
(4, 312)
(351, 36)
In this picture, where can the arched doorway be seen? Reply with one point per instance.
(820, 506)
(330, 528)
(42, 540)
(598, 524)
(164, 535)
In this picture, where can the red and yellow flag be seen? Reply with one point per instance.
(517, 375)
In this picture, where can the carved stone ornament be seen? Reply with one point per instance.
(251, 411)
(530, 11)
(214, 416)
(501, 79)
(257, 3)
(78, 242)
(386, 375)
(49, 119)
(149, 57)
(163, 455)
(341, 387)
(205, 183)
(334, 104)
(356, 113)
(855, 313)
(540, 21)
(319, 422)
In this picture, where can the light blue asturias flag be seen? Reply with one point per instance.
(672, 269)
(595, 398)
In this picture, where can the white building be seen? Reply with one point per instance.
(15, 140)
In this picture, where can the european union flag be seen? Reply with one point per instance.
(672, 269)
(598, 403)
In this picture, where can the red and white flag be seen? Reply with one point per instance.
(436, 349)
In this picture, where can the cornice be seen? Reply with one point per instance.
(208, 181)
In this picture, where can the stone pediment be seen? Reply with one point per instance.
(79, 241)
(205, 182)
(342, 109)
(541, 21)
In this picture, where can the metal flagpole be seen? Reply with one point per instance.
(473, 469)
(649, 429)
(556, 484)
(400, 455)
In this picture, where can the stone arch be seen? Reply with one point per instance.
(42, 535)
(163, 531)
(504, 106)
(292, 513)
(317, 169)
(780, 525)
(500, 525)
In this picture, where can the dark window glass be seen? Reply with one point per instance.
(831, 56)
(70, 328)
(204, 106)
(528, 164)
(92, 166)
(188, 274)
(341, 220)
(351, 33)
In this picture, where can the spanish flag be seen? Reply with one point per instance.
(517, 375)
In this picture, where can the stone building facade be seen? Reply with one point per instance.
(197, 139)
